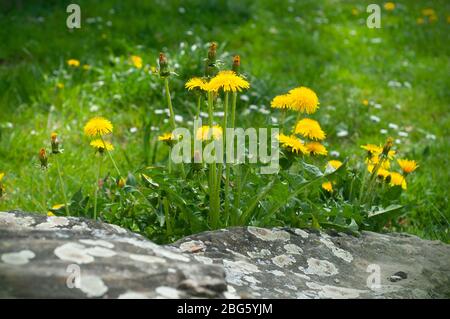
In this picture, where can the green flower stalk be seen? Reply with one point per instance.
(56, 151)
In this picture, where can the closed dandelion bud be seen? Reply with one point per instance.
(210, 67)
(55, 143)
(43, 158)
(163, 65)
(121, 182)
(236, 64)
(212, 53)
(387, 147)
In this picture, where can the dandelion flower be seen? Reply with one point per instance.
(334, 164)
(316, 148)
(407, 166)
(375, 159)
(365, 102)
(328, 187)
(281, 101)
(382, 172)
(310, 129)
(293, 144)
(228, 81)
(196, 83)
(73, 62)
(205, 133)
(397, 179)
(86, 67)
(60, 85)
(43, 158)
(58, 206)
(375, 150)
(50, 214)
(137, 61)
(100, 145)
(303, 99)
(98, 126)
(428, 12)
(1, 176)
(389, 6)
(167, 138)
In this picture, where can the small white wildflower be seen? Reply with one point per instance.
(133, 130)
(402, 134)
(335, 153)
(393, 126)
(342, 133)
(245, 98)
(375, 119)
(178, 118)
(181, 10)
(383, 131)
(377, 106)
(94, 108)
(431, 136)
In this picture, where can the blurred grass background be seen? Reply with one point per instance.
(402, 70)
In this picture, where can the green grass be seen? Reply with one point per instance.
(319, 44)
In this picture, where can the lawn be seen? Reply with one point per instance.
(371, 83)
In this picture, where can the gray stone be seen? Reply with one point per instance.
(59, 257)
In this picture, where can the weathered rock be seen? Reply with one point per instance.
(40, 257)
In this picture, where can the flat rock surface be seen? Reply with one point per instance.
(59, 257)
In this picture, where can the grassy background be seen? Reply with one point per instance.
(402, 69)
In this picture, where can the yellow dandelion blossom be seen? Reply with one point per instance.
(397, 179)
(428, 12)
(310, 129)
(100, 145)
(57, 206)
(166, 137)
(50, 214)
(389, 6)
(1, 176)
(303, 99)
(281, 101)
(316, 148)
(196, 83)
(293, 144)
(355, 11)
(334, 164)
(382, 172)
(375, 159)
(137, 61)
(365, 102)
(328, 187)
(228, 81)
(73, 62)
(372, 149)
(60, 85)
(407, 166)
(98, 126)
(205, 133)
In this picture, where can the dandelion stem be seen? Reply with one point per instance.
(44, 200)
(227, 166)
(199, 106)
(213, 196)
(97, 186)
(66, 204)
(111, 158)
(172, 115)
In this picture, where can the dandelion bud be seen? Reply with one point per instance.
(121, 182)
(43, 158)
(210, 66)
(212, 52)
(163, 65)
(55, 143)
(236, 64)
(387, 147)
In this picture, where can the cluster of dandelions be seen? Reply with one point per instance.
(213, 83)
(301, 100)
(379, 163)
(97, 129)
